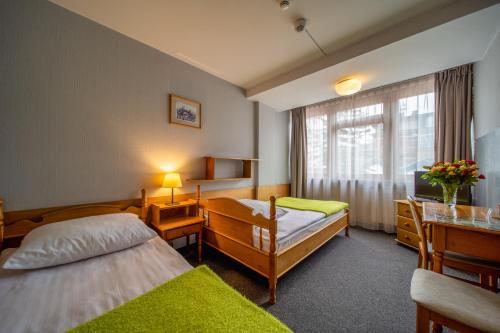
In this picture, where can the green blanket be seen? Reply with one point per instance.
(196, 301)
(322, 206)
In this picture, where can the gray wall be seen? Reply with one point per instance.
(487, 124)
(487, 90)
(84, 112)
(487, 192)
(273, 145)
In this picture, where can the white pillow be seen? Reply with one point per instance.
(72, 240)
(262, 207)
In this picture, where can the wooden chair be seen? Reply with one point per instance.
(488, 272)
(453, 303)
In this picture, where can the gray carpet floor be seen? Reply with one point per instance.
(355, 284)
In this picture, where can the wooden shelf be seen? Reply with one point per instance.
(232, 158)
(218, 179)
(246, 172)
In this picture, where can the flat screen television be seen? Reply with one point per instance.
(425, 191)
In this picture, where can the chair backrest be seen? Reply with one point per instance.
(422, 237)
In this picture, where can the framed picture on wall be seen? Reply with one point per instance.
(184, 111)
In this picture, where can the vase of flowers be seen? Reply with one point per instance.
(451, 176)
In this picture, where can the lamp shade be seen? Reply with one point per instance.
(172, 180)
(348, 87)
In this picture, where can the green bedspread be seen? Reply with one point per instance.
(196, 301)
(322, 206)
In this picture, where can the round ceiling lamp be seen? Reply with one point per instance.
(348, 86)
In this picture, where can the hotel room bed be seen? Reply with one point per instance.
(269, 239)
(101, 269)
(55, 299)
(293, 226)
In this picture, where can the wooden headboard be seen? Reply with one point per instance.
(16, 224)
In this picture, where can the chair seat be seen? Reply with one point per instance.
(465, 303)
(466, 258)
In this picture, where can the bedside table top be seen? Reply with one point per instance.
(178, 222)
(186, 203)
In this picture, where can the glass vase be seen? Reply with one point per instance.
(450, 194)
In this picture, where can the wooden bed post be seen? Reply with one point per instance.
(273, 274)
(198, 198)
(347, 227)
(144, 206)
(1, 223)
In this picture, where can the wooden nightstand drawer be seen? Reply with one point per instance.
(183, 231)
(407, 224)
(404, 210)
(407, 237)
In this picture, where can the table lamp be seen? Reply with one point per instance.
(172, 180)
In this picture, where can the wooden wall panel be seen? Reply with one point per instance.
(34, 216)
(280, 190)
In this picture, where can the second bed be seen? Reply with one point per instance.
(269, 239)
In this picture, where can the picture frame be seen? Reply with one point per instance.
(184, 111)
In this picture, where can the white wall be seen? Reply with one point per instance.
(487, 90)
(487, 124)
(84, 112)
(273, 145)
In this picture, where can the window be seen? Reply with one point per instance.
(416, 132)
(317, 145)
(383, 135)
(364, 149)
(358, 142)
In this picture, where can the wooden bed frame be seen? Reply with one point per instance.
(15, 225)
(229, 229)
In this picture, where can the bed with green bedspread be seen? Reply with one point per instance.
(196, 301)
(328, 207)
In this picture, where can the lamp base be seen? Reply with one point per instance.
(172, 203)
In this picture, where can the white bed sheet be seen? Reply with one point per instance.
(307, 230)
(58, 298)
(294, 226)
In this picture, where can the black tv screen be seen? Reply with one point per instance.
(424, 190)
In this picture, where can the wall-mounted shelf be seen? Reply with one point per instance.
(217, 179)
(210, 169)
(232, 158)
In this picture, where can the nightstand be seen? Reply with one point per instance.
(180, 220)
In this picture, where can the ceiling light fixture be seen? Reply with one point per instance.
(348, 86)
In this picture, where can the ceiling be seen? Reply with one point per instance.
(250, 43)
(458, 42)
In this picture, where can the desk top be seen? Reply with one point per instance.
(463, 217)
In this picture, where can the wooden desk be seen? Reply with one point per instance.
(464, 229)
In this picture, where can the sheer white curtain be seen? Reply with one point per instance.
(364, 149)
